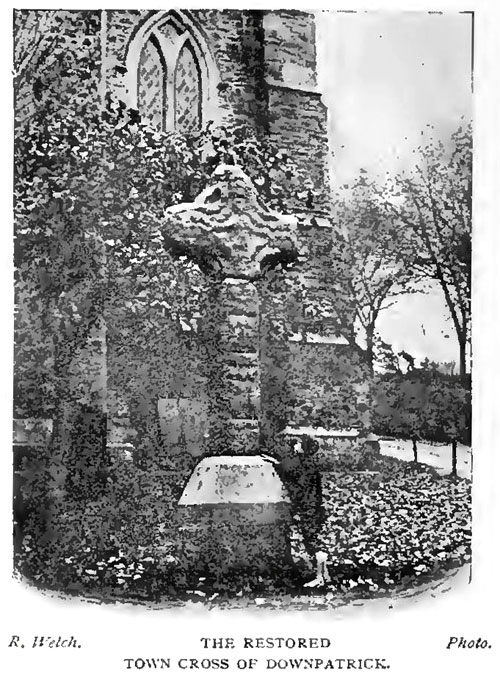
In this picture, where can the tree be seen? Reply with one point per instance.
(435, 204)
(378, 253)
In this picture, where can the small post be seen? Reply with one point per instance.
(454, 458)
(415, 455)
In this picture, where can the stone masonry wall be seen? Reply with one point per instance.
(297, 124)
(290, 49)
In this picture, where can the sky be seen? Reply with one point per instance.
(386, 77)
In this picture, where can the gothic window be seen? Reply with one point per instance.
(187, 86)
(169, 81)
(152, 79)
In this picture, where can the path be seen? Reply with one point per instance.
(437, 455)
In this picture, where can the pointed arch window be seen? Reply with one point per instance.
(152, 84)
(187, 90)
(170, 82)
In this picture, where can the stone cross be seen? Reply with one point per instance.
(235, 239)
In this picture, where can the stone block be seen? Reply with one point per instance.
(234, 521)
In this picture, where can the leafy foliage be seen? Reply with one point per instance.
(88, 203)
(422, 406)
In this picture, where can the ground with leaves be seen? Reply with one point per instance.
(393, 523)
(387, 527)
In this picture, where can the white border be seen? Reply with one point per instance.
(412, 636)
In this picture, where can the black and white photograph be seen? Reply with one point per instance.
(244, 359)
